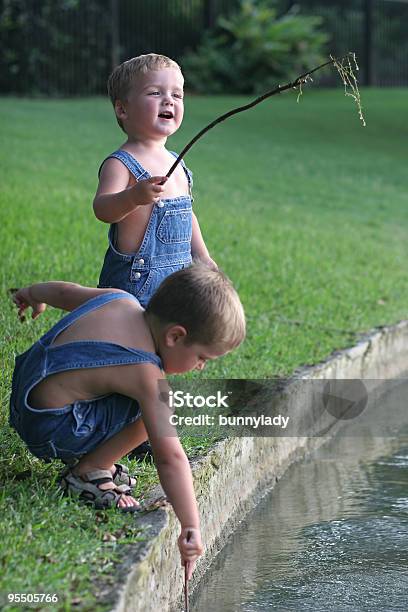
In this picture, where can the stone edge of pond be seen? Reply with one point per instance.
(236, 473)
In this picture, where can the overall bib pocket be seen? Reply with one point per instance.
(176, 226)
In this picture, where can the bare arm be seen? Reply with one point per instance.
(172, 464)
(116, 198)
(198, 247)
(171, 461)
(66, 296)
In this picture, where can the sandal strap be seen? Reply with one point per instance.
(89, 489)
(123, 488)
(122, 476)
(122, 468)
(98, 475)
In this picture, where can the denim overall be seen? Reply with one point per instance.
(165, 248)
(73, 430)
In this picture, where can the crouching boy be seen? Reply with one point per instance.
(90, 390)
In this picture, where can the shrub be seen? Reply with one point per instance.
(254, 50)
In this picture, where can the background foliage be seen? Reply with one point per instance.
(68, 47)
(253, 49)
(53, 46)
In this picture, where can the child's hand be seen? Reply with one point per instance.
(149, 191)
(23, 298)
(191, 548)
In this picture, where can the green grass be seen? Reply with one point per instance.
(303, 208)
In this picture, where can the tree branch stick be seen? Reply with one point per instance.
(298, 81)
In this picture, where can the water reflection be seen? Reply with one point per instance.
(331, 535)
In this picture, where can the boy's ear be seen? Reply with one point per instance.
(174, 335)
(120, 109)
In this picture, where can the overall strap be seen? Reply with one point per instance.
(187, 172)
(130, 162)
(84, 354)
(92, 304)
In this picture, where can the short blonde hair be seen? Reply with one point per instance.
(204, 302)
(124, 75)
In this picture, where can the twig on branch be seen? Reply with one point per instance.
(345, 71)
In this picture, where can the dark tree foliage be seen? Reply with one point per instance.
(254, 49)
(53, 46)
(344, 21)
(59, 47)
(64, 47)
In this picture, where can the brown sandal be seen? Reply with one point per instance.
(121, 476)
(86, 488)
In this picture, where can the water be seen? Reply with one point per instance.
(332, 535)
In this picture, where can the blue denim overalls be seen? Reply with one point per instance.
(165, 248)
(73, 430)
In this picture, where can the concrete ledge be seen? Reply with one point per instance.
(232, 477)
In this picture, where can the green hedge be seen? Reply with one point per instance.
(254, 49)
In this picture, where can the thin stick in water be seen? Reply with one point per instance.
(186, 566)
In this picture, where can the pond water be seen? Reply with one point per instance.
(331, 535)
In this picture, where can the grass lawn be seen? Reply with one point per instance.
(303, 208)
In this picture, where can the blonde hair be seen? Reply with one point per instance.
(123, 76)
(204, 302)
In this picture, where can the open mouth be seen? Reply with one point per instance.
(166, 115)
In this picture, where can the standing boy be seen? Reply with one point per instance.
(153, 230)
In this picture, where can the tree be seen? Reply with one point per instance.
(254, 49)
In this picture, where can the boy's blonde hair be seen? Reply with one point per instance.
(204, 302)
(124, 75)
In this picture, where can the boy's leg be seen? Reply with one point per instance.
(107, 454)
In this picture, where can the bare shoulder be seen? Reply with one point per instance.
(124, 303)
(120, 321)
(114, 176)
(124, 319)
(152, 381)
(155, 163)
(144, 382)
